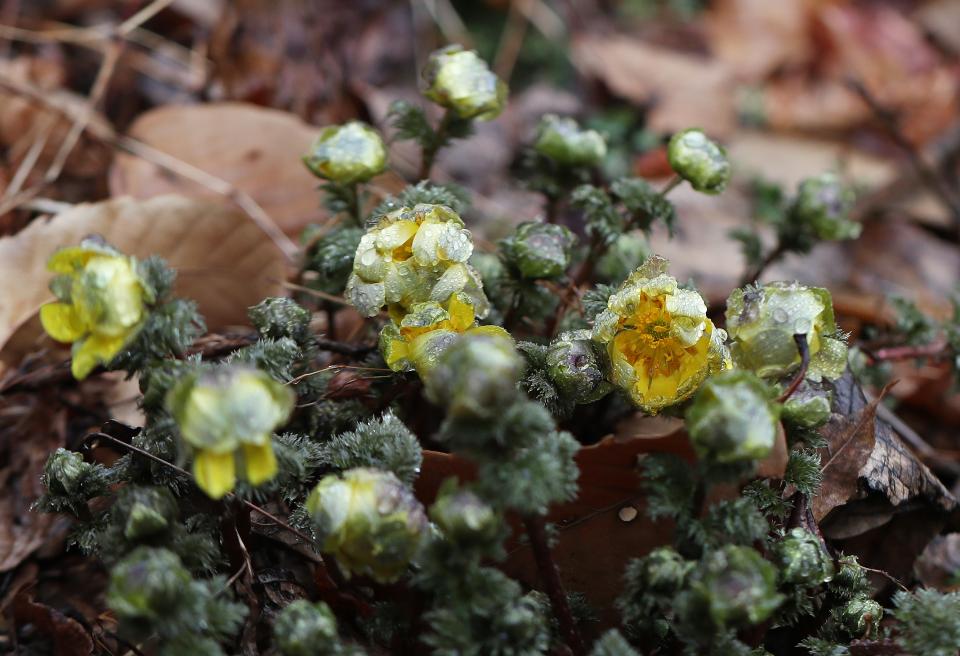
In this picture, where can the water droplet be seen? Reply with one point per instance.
(780, 315)
(801, 325)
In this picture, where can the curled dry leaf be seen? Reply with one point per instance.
(256, 150)
(225, 262)
(68, 636)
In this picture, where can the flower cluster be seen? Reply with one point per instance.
(226, 414)
(103, 303)
(659, 339)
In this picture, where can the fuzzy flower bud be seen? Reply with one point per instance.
(807, 408)
(413, 256)
(732, 418)
(462, 82)
(802, 559)
(763, 320)
(423, 334)
(67, 474)
(732, 586)
(369, 521)
(860, 617)
(229, 414)
(103, 303)
(662, 571)
(306, 629)
(147, 584)
(149, 511)
(347, 154)
(476, 377)
(465, 518)
(575, 365)
(538, 250)
(700, 161)
(563, 141)
(824, 204)
(658, 337)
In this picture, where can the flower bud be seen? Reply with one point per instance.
(460, 80)
(147, 584)
(700, 161)
(347, 154)
(230, 413)
(412, 256)
(574, 363)
(103, 303)
(369, 521)
(148, 510)
(663, 571)
(660, 342)
(763, 320)
(306, 629)
(476, 377)
(276, 318)
(824, 204)
(67, 474)
(563, 141)
(802, 559)
(860, 617)
(732, 418)
(623, 257)
(465, 518)
(732, 586)
(807, 408)
(538, 250)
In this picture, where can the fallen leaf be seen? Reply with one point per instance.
(850, 441)
(224, 261)
(683, 90)
(257, 150)
(756, 37)
(68, 636)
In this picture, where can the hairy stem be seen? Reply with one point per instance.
(439, 140)
(550, 576)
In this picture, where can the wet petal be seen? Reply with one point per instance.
(261, 462)
(61, 322)
(215, 473)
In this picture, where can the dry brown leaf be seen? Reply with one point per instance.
(22, 530)
(225, 262)
(850, 441)
(756, 37)
(68, 636)
(255, 149)
(684, 90)
(607, 517)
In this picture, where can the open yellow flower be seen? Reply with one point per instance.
(103, 303)
(413, 256)
(229, 414)
(658, 337)
(422, 335)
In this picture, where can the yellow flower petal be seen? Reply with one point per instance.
(261, 462)
(94, 350)
(61, 322)
(215, 473)
(71, 259)
(461, 313)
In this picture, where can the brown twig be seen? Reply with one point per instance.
(892, 353)
(511, 39)
(752, 275)
(804, 350)
(550, 577)
(929, 175)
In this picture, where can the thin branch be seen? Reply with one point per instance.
(550, 576)
(930, 177)
(933, 349)
(752, 275)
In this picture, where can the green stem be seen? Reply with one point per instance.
(439, 141)
(674, 183)
(355, 212)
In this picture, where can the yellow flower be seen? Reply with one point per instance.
(424, 333)
(658, 337)
(413, 256)
(229, 413)
(103, 303)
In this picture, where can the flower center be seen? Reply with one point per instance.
(647, 342)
